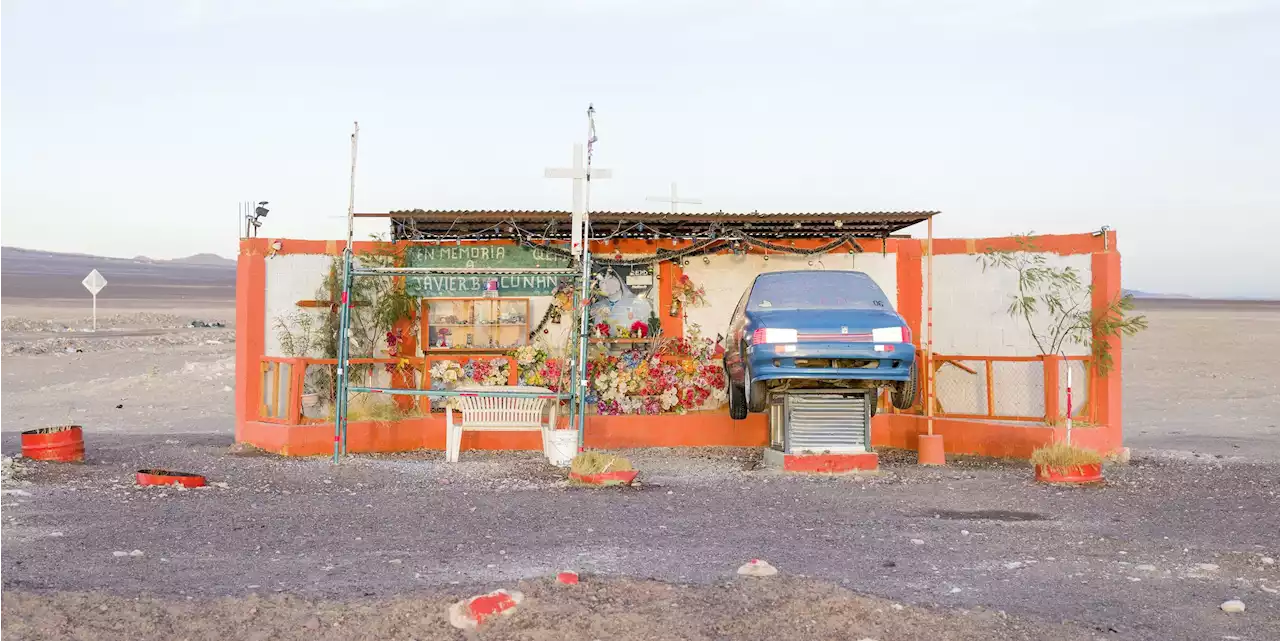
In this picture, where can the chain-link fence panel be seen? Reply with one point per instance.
(961, 387)
(1019, 388)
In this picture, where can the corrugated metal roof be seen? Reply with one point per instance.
(425, 214)
(417, 223)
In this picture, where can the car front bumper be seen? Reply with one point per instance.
(831, 361)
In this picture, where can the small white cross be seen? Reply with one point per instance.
(581, 182)
(674, 199)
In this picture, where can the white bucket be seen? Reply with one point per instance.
(562, 446)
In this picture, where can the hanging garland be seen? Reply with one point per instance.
(698, 248)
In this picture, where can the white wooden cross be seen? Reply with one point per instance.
(581, 183)
(674, 199)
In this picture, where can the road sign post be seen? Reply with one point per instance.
(94, 282)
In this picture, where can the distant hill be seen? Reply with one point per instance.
(1137, 293)
(197, 259)
(205, 259)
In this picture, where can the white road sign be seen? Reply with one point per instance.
(94, 282)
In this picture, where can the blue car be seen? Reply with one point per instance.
(816, 329)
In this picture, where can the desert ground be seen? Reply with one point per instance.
(379, 546)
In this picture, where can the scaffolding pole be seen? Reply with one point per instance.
(344, 316)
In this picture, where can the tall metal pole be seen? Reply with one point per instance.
(928, 353)
(344, 318)
(584, 322)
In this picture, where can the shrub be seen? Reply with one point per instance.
(1061, 455)
(597, 462)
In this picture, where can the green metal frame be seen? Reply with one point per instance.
(576, 395)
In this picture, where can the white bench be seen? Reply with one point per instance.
(496, 414)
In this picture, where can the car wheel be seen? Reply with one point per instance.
(904, 392)
(737, 402)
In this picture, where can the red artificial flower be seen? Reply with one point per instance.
(640, 329)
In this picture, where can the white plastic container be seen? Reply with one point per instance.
(562, 446)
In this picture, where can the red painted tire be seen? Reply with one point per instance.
(165, 477)
(62, 443)
(606, 478)
(1069, 474)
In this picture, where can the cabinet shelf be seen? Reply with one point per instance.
(491, 326)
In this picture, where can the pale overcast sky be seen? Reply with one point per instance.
(134, 127)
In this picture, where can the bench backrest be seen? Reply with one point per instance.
(497, 411)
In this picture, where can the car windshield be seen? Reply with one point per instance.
(816, 290)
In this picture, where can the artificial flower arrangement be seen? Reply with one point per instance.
(640, 329)
(686, 293)
(477, 371)
(395, 340)
(538, 368)
(675, 376)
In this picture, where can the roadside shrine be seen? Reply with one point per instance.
(666, 286)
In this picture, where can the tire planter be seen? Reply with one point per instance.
(165, 477)
(606, 478)
(1069, 474)
(62, 443)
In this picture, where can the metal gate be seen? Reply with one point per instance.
(836, 421)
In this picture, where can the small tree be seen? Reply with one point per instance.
(1068, 303)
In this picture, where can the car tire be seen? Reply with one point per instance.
(737, 402)
(759, 397)
(904, 392)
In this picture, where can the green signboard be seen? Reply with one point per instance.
(482, 256)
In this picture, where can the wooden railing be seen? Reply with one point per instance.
(1012, 388)
(283, 381)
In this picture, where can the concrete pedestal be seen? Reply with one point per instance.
(821, 463)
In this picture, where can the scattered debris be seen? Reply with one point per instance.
(1234, 605)
(757, 567)
(199, 324)
(136, 553)
(1207, 567)
(568, 578)
(1266, 560)
(1146, 567)
(470, 614)
(15, 492)
(119, 553)
(1013, 565)
(917, 541)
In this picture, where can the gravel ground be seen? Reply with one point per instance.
(1125, 559)
(376, 547)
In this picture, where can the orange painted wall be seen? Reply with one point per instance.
(698, 429)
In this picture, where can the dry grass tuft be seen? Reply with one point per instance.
(597, 462)
(1061, 454)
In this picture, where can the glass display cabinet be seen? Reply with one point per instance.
(475, 324)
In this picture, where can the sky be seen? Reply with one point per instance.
(136, 127)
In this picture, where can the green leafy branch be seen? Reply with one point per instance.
(1069, 317)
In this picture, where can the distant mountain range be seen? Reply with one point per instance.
(35, 274)
(197, 259)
